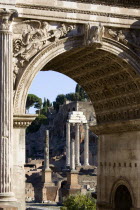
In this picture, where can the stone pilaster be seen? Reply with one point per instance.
(72, 155)
(67, 144)
(77, 145)
(6, 106)
(86, 145)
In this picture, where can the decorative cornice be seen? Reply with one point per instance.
(118, 3)
(23, 121)
(67, 10)
(117, 127)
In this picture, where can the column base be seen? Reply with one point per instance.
(6, 197)
(86, 164)
(78, 164)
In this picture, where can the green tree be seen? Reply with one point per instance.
(33, 100)
(60, 99)
(79, 202)
(35, 125)
(48, 103)
(82, 93)
(77, 89)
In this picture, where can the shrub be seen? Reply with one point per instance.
(79, 202)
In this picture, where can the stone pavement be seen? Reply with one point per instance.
(39, 206)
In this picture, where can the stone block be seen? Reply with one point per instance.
(2, 207)
(72, 180)
(47, 177)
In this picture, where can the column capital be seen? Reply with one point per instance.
(23, 121)
(6, 17)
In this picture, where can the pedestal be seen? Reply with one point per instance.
(47, 177)
(72, 180)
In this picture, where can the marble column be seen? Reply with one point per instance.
(67, 144)
(6, 107)
(46, 172)
(86, 145)
(72, 162)
(46, 151)
(77, 145)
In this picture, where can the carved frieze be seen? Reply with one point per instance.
(31, 36)
(94, 34)
(129, 37)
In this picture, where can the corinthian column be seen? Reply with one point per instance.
(6, 106)
(72, 155)
(77, 145)
(67, 144)
(86, 146)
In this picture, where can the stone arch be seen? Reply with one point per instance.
(121, 182)
(115, 55)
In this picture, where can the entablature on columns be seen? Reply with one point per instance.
(23, 121)
(116, 127)
(78, 11)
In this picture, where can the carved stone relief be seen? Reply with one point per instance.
(128, 37)
(31, 36)
(94, 34)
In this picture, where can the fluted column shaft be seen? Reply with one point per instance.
(72, 165)
(67, 144)
(6, 107)
(77, 145)
(46, 151)
(86, 146)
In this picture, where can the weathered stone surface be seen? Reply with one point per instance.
(102, 58)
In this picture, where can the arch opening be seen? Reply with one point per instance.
(108, 75)
(122, 200)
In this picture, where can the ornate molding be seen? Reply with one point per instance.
(23, 121)
(6, 17)
(31, 65)
(127, 183)
(128, 37)
(119, 3)
(32, 36)
(93, 35)
(87, 12)
(117, 127)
